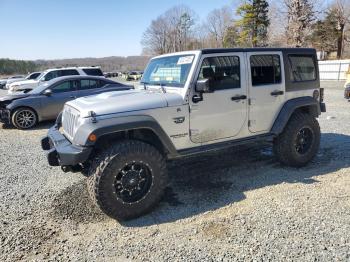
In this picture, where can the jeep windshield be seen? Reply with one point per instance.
(168, 71)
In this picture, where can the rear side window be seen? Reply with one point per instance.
(224, 71)
(89, 84)
(302, 68)
(69, 72)
(93, 72)
(265, 69)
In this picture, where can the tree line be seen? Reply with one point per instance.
(253, 23)
(107, 64)
(9, 67)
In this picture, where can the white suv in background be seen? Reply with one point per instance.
(50, 74)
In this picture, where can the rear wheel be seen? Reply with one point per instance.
(24, 118)
(299, 142)
(128, 179)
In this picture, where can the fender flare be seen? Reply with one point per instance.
(120, 124)
(289, 108)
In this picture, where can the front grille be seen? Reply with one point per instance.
(70, 118)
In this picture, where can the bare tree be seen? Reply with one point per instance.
(278, 24)
(155, 38)
(170, 32)
(300, 16)
(218, 21)
(341, 8)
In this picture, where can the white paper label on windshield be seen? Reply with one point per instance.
(185, 60)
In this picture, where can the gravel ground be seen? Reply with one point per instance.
(237, 205)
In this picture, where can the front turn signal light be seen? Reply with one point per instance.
(92, 138)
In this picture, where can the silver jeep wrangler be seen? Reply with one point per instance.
(188, 103)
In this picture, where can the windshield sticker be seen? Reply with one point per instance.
(185, 60)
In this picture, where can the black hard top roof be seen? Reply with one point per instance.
(257, 49)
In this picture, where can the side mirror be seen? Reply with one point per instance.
(47, 92)
(204, 86)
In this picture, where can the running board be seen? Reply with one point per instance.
(225, 145)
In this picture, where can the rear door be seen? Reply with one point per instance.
(266, 89)
(61, 93)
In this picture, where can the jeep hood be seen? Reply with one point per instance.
(124, 101)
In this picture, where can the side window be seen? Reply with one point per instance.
(62, 87)
(224, 71)
(84, 84)
(51, 75)
(94, 84)
(70, 72)
(303, 68)
(265, 69)
(93, 71)
(102, 83)
(89, 84)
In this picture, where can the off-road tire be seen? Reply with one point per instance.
(285, 145)
(15, 118)
(108, 164)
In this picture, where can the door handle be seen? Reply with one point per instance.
(277, 93)
(238, 98)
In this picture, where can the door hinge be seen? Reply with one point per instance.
(249, 123)
(249, 101)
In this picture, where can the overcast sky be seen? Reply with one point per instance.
(43, 29)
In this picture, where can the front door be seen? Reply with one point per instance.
(266, 89)
(222, 113)
(61, 93)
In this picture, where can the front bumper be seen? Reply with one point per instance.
(61, 152)
(5, 115)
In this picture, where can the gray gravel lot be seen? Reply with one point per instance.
(237, 205)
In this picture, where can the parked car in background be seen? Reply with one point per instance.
(25, 110)
(4, 81)
(111, 74)
(31, 76)
(51, 74)
(347, 91)
(134, 76)
(347, 85)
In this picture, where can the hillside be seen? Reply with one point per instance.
(113, 63)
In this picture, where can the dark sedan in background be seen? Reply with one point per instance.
(25, 110)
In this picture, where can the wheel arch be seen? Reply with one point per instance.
(308, 105)
(142, 128)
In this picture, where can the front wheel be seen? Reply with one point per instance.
(128, 179)
(299, 142)
(24, 118)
